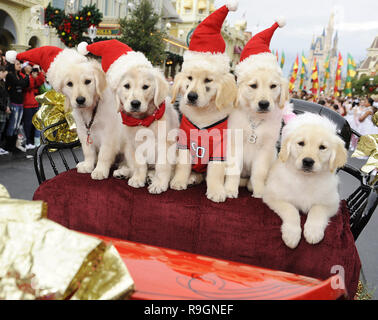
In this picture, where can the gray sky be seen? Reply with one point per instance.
(356, 22)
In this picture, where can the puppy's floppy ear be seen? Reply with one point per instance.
(100, 77)
(67, 104)
(118, 102)
(226, 92)
(179, 78)
(339, 155)
(284, 95)
(161, 88)
(285, 149)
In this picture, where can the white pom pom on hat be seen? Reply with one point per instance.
(281, 21)
(82, 48)
(232, 5)
(11, 56)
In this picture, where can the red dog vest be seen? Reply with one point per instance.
(205, 144)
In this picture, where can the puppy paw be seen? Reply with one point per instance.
(232, 193)
(136, 182)
(216, 194)
(84, 167)
(122, 173)
(178, 184)
(99, 174)
(157, 186)
(313, 233)
(195, 178)
(291, 234)
(258, 191)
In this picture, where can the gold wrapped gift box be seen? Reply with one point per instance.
(40, 259)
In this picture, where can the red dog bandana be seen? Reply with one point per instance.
(146, 122)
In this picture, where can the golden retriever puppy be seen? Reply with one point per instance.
(208, 94)
(262, 98)
(99, 126)
(141, 94)
(303, 178)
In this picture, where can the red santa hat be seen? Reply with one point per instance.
(51, 59)
(207, 44)
(116, 58)
(256, 52)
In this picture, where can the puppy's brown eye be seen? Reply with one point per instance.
(273, 86)
(253, 86)
(190, 78)
(70, 84)
(145, 87)
(207, 80)
(87, 82)
(301, 143)
(127, 86)
(322, 147)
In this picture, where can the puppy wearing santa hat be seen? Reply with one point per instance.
(208, 93)
(141, 93)
(262, 103)
(84, 85)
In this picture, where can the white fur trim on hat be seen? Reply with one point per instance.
(214, 62)
(61, 63)
(82, 48)
(232, 5)
(265, 60)
(123, 64)
(281, 21)
(306, 119)
(11, 56)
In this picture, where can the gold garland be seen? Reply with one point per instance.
(52, 111)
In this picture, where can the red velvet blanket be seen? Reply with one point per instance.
(243, 230)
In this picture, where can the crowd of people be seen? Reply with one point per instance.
(358, 112)
(19, 84)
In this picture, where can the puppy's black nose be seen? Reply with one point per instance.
(80, 100)
(264, 105)
(135, 104)
(192, 96)
(308, 163)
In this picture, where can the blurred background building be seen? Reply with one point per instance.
(22, 26)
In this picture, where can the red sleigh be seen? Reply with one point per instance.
(179, 245)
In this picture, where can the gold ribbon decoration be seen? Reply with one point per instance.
(40, 259)
(52, 111)
(368, 147)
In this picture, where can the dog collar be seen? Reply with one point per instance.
(146, 122)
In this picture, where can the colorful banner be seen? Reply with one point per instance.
(337, 87)
(315, 80)
(351, 73)
(294, 75)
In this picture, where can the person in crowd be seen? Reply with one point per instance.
(16, 82)
(36, 79)
(321, 102)
(4, 105)
(365, 117)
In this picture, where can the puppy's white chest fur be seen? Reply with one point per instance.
(301, 189)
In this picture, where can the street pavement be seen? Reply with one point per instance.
(18, 176)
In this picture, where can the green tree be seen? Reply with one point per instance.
(364, 86)
(140, 32)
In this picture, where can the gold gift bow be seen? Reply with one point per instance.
(93, 270)
(368, 147)
(52, 111)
